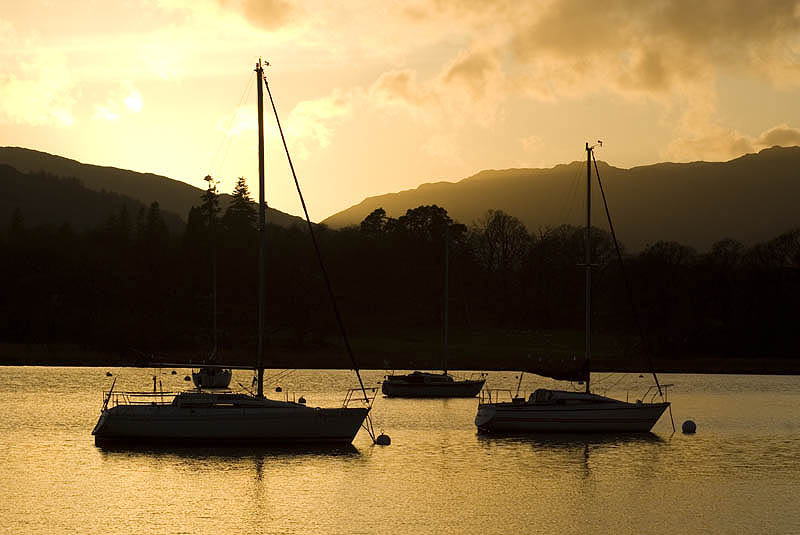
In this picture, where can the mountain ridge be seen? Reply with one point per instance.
(172, 195)
(697, 203)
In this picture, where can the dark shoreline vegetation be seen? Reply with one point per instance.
(134, 292)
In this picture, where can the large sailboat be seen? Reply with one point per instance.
(225, 417)
(560, 411)
(429, 384)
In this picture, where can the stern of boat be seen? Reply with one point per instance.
(485, 415)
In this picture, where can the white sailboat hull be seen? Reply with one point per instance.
(616, 417)
(280, 424)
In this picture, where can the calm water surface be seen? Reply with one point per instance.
(739, 474)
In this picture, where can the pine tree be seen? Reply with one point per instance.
(240, 217)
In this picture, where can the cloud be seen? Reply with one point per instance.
(782, 135)
(36, 87)
(311, 122)
(470, 87)
(629, 45)
(104, 113)
(266, 14)
(476, 71)
(242, 120)
(718, 143)
(123, 100)
(399, 87)
(133, 101)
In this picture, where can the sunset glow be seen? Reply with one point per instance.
(378, 97)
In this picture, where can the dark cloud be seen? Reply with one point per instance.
(473, 70)
(267, 14)
(650, 45)
(782, 135)
(398, 86)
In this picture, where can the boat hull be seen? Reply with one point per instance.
(619, 417)
(456, 389)
(212, 378)
(168, 423)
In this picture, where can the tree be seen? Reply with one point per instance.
(502, 241)
(153, 234)
(209, 209)
(374, 225)
(425, 222)
(240, 216)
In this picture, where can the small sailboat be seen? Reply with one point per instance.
(560, 411)
(210, 375)
(434, 385)
(209, 417)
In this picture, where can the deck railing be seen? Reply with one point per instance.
(114, 398)
(357, 394)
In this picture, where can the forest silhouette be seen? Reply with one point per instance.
(135, 288)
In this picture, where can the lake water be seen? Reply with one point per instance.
(739, 474)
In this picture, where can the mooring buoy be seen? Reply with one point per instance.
(689, 427)
(383, 440)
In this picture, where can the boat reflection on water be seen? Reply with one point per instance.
(561, 453)
(228, 452)
(569, 440)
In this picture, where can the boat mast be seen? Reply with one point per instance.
(261, 209)
(445, 298)
(588, 263)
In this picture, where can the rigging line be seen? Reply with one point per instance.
(230, 138)
(569, 203)
(316, 248)
(226, 139)
(634, 311)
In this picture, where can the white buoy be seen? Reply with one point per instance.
(689, 427)
(383, 440)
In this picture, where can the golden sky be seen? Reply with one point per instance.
(380, 96)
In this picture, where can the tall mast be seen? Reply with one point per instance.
(261, 210)
(588, 264)
(445, 299)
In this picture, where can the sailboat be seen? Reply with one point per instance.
(560, 411)
(434, 385)
(209, 375)
(209, 417)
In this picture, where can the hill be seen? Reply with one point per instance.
(172, 195)
(750, 199)
(46, 199)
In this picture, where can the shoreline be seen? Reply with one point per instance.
(476, 358)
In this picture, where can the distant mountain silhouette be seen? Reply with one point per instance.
(751, 198)
(45, 199)
(172, 195)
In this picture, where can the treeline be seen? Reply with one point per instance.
(132, 285)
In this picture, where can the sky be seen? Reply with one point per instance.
(381, 96)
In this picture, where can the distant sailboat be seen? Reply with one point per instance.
(434, 385)
(560, 411)
(207, 417)
(211, 376)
